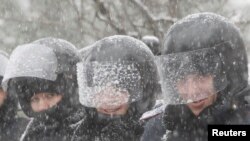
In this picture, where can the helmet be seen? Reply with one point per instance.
(9, 108)
(4, 61)
(121, 62)
(153, 43)
(46, 65)
(205, 43)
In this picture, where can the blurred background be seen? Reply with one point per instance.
(82, 22)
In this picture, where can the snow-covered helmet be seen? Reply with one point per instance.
(46, 65)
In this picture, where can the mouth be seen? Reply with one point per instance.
(111, 110)
(199, 103)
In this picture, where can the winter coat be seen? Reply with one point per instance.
(11, 125)
(52, 130)
(173, 126)
(91, 129)
(12, 129)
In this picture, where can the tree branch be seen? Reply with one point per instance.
(104, 11)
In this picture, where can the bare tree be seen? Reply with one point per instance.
(82, 22)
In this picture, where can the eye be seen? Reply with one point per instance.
(49, 96)
(124, 91)
(35, 100)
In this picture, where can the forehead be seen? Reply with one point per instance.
(42, 94)
(196, 78)
(113, 91)
(193, 81)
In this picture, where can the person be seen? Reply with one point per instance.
(9, 120)
(204, 74)
(117, 80)
(43, 76)
(153, 43)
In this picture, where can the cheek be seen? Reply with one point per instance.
(36, 107)
(211, 100)
(55, 100)
(2, 98)
(123, 110)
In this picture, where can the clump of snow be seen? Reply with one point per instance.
(150, 38)
(158, 109)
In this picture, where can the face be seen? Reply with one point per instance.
(200, 89)
(43, 101)
(112, 102)
(3, 96)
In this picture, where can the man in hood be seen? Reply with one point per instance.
(42, 75)
(117, 82)
(9, 120)
(204, 75)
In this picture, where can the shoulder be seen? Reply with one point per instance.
(22, 122)
(81, 130)
(241, 116)
(154, 128)
(157, 110)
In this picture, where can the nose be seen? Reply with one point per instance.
(43, 105)
(112, 101)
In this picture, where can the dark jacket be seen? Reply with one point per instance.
(12, 130)
(174, 126)
(93, 128)
(154, 129)
(11, 126)
(51, 129)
